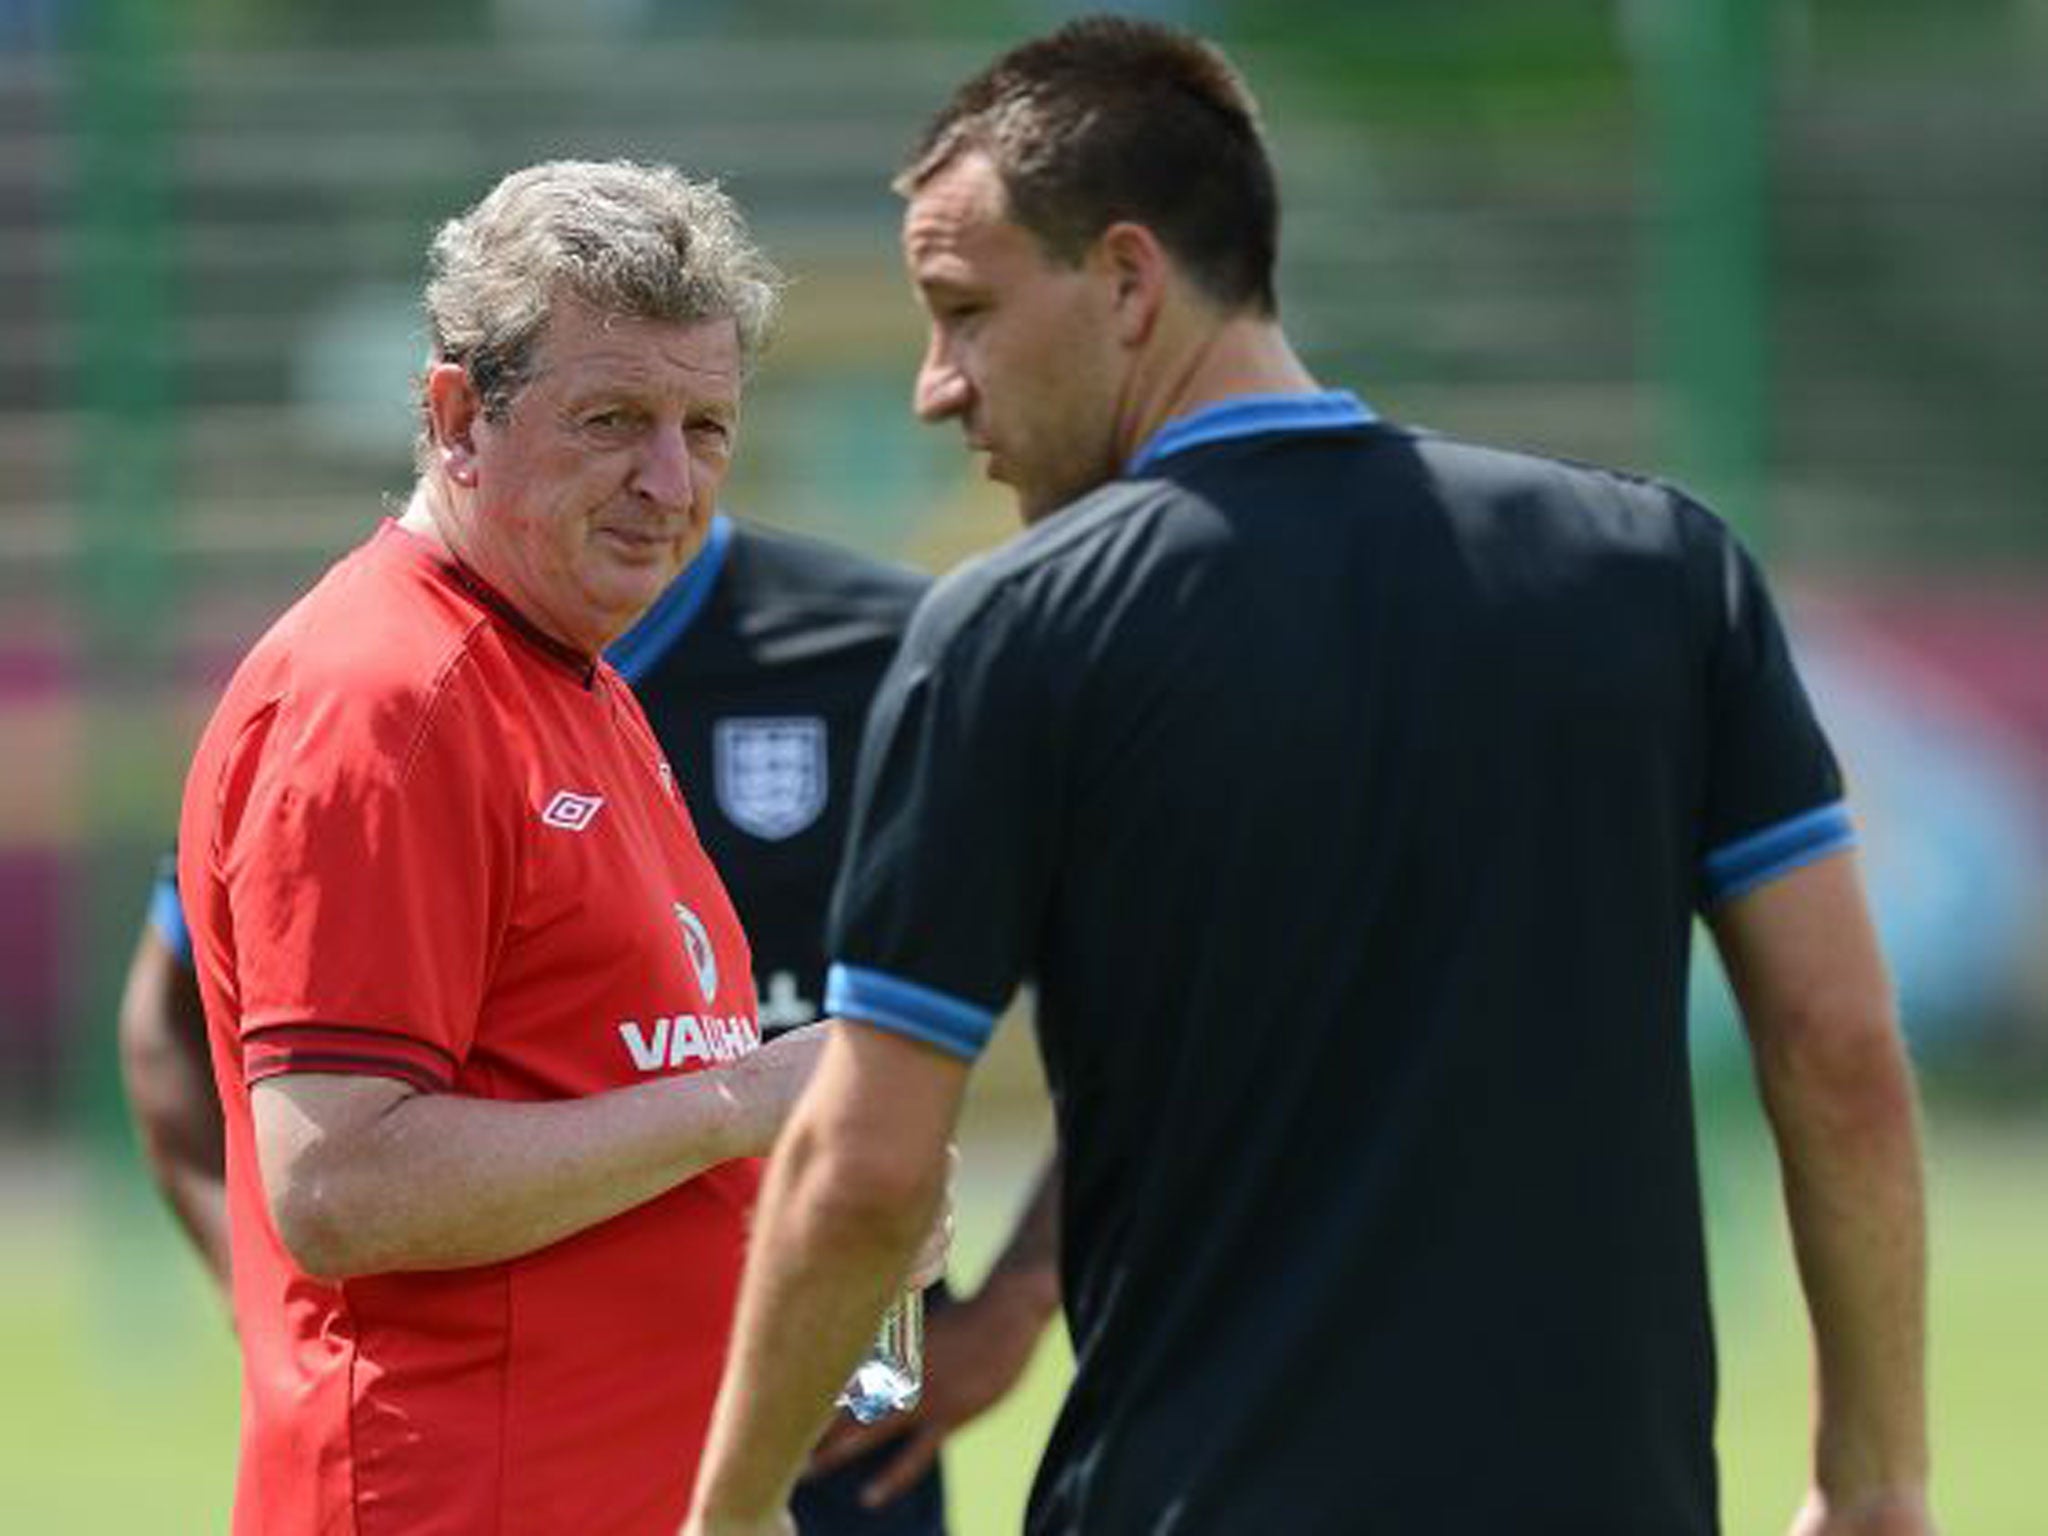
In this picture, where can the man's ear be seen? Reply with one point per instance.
(1138, 269)
(453, 410)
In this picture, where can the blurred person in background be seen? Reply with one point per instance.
(481, 1013)
(755, 668)
(1348, 793)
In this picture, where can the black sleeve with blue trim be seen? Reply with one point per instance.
(954, 821)
(1773, 797)
(166, 913)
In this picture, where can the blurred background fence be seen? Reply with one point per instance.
(1792, 253)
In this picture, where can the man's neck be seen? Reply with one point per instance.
(1242, 355)
(431, 515)
(419, 517)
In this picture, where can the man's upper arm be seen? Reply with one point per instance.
(166, 1063)
(1802, 955)
(167, 1067)
(162, 1022)
(955, 827)
(1772, 797)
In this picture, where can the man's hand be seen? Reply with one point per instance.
(770, 1080)
(974, 1353)
(1877, 1514)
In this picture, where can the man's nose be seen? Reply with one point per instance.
(664, 472)
(941, 389)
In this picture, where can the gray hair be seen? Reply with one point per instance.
(626, 239)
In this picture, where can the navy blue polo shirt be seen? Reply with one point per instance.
(1348, 794)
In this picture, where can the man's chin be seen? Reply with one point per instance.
(628, 588)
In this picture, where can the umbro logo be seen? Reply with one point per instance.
(570, 811)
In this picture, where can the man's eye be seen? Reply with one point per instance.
(608, 421)
(953, 311)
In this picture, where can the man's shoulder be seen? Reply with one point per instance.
(1463, 467)
(369, 654)
(383, 625)
(772, 571)
(1062, 571)
(781, 603)
(1134, 514)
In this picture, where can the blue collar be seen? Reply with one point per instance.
(1244, 415)
(636, 651)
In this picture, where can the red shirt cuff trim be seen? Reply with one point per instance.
(283, 1048)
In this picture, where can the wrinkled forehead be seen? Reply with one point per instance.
(960, 200)
(582, 343)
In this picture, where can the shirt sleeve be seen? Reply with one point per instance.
(956, 813)
(166, 913)
(1773, 794)
(367, 869)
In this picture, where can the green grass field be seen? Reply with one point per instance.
(119, 1384)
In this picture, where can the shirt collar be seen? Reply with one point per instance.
(1246, 415)
(447, 567)
(562, 654)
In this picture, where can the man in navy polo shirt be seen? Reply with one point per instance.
(1349, 795)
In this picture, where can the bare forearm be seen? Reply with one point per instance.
(1846, 1127)
(854, 1185)
(182, 1147)
(442, 1181)
(167, 1074)
(976, 1350)
(1802, 955)
(822, 1271)
(200, 1202)
(1025, 1277)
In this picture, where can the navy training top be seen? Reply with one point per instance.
(1348, 794)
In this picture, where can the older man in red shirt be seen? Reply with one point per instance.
(482, 1016)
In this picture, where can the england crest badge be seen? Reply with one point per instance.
(770, 773)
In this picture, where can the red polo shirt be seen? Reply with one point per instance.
(422, 840)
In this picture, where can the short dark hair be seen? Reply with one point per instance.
(1114, 118)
